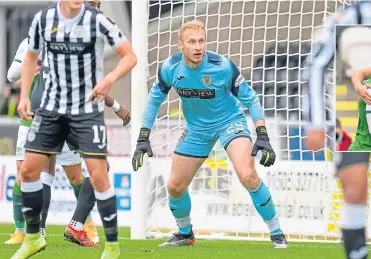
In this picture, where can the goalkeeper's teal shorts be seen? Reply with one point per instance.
(198, 144)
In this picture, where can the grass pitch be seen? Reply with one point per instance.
(202, 249)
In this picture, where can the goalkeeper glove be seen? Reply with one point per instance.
(143, 146)
(262, 143)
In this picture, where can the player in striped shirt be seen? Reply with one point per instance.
(69, 160)
(351, 167)
(86, 201)
(72, 35)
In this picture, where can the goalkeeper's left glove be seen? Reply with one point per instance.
(262, 143)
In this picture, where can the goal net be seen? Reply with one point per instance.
(268, 41)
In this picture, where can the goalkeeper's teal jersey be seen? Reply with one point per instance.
(211, 94)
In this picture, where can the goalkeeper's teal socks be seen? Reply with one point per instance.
(181, 209)
(263, 203)
(17, 207)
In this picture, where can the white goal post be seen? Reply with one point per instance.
(268, 41)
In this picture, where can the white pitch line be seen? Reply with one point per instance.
(54, 235)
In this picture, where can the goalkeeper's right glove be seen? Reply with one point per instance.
(143, 146)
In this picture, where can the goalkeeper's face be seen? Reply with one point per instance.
(192, 44)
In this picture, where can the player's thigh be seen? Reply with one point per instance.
(49, 167)
(47, 133)
(352, 170)
(194, 145)
(18, 177)
(21, 142)
(20, 151)
(97, 168)
(236, 140)
(183, 169)
(74, 173)
(32, 166)
(89, 131)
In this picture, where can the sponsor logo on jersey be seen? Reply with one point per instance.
(206, 80)
(70, 47)
(66, 47)
(196, 93)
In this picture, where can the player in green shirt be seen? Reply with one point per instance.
(363, 137)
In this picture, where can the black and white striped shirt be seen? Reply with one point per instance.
(74, 50)
(322, 56)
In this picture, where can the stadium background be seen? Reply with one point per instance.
(270, 48)
(350, 58)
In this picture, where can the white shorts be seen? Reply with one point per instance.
(66, 158)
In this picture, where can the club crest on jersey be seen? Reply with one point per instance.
(206, 80)
(79, 31)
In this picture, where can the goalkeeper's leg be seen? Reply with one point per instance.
(352, 171)
(183, 170)
(239, 151)
(191, 151)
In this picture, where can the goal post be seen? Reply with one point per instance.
(139, 77)
(268, 41)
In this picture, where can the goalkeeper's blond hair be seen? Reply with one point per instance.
(194, 24)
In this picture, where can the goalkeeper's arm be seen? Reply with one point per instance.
(247, 96)
(156, 97)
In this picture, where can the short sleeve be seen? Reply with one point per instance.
(35, 40)
(110, 31)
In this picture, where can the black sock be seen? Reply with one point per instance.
(355, 243)
(85, 202)
(46, 204)
(31, 208)
(108, 212)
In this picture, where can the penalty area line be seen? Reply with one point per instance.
(54, 235)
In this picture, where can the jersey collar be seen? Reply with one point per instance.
(76, 18)
(197, 69)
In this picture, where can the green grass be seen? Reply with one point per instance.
(205, 249)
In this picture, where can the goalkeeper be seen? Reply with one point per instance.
(211, 89)
(351, 167)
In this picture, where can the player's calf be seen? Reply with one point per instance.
(352, 171)
(32, 190)
(105, 196)
(47, 181)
